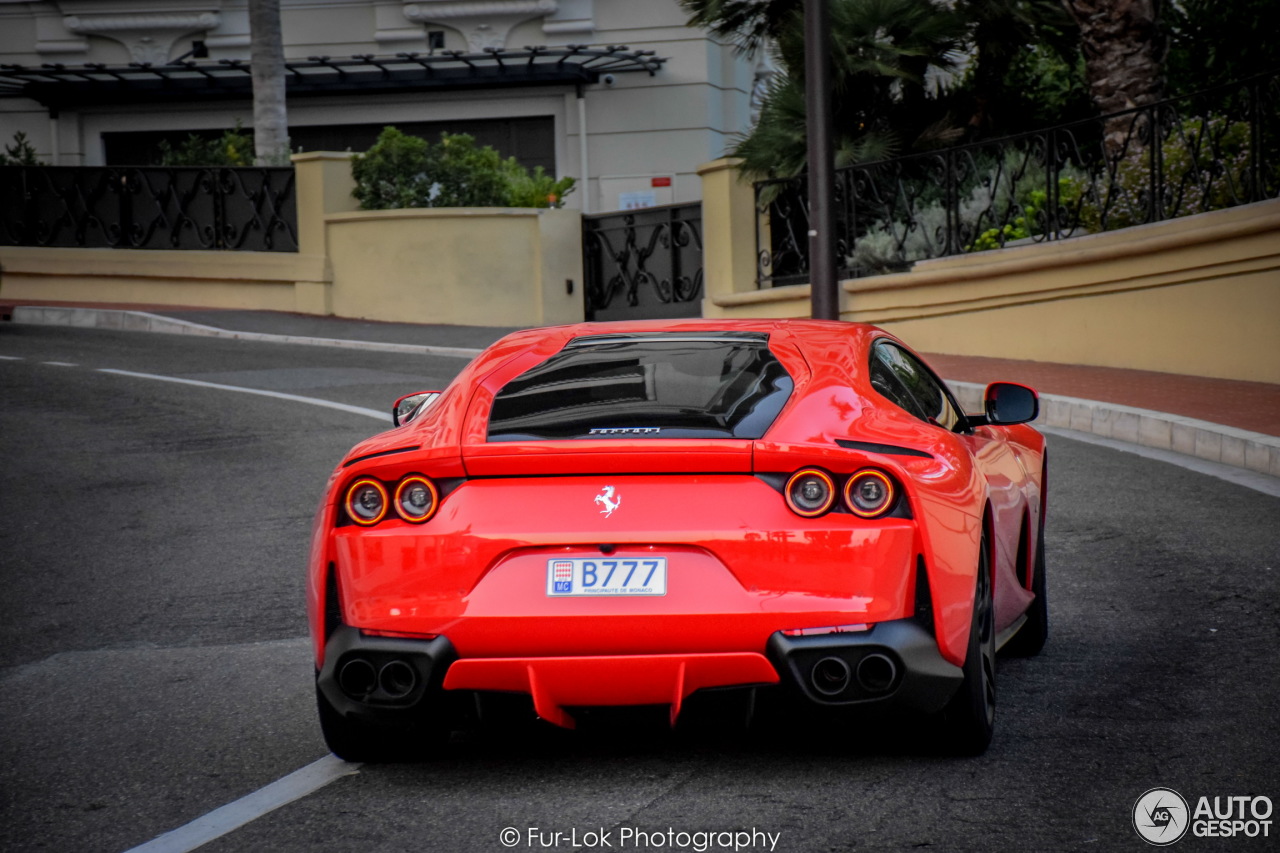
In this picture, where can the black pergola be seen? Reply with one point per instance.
(58, 86)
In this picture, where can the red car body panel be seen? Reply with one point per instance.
(498, 580)
(748, 566)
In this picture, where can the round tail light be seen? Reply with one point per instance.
(810, 492)
(366, 501)
(416, 499)
(869, 493)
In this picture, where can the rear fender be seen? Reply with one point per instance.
(318, 562)
(948, 502)
(951, 561)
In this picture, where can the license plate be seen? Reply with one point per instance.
(646, 576)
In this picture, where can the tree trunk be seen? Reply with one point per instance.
(1124, 57)
(266, 56)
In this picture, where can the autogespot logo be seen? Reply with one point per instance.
(1160, 816)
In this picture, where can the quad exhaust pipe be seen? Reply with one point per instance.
(395, 679)
(874, 673)
(357, 678)
(830, 676)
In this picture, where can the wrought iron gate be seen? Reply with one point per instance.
(643, 264)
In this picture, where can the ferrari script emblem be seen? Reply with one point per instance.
(607, 499)
(624, 431)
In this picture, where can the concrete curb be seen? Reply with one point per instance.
(1237, 448)
(1212, 442)
(141, 321)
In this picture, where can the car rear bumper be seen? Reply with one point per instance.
(556, 684)
(895, 662)
(399, 681)
(383, 679)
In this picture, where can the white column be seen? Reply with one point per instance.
(582, 151)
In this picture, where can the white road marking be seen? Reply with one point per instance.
(58, 363)
(234, 815)
(11, 358)
(314, 401)
(297, 784)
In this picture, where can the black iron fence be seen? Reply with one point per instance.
(240, 209)
(643, 264)
(1208, 151)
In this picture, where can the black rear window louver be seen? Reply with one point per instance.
(668, 385)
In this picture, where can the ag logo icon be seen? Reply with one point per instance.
(1161, 816)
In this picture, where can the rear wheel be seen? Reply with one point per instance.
(969, 718)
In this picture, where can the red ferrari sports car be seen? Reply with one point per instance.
(638, 514)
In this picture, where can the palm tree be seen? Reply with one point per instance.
(881, 52)
(1001, 32)
(747, 23)
(1212, 42)
(266, 59)
(1123, 49)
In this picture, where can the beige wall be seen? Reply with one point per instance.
(1198, 295)
(476, 266)
(255, 280)
(482, 266)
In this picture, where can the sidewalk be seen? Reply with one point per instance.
(1224, 421)
(1252, 406)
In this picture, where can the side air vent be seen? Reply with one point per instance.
(885, 449)
(924, 596)
(332, 606)
(351, 462)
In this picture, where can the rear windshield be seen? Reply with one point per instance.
(651, 386)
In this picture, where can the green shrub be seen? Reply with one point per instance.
(393, 173)
(20, 153)
(407, 171)
(1034, 216)
(535, 190)
(1009, 189)
(467, 176)
(1205, 163)
(233, 148)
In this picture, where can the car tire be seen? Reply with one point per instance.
(358, 741)
(1031, 637)
(969, 718)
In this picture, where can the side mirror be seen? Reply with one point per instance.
(410, 406)
(1007, 404)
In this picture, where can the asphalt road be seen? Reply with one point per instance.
(153, 661)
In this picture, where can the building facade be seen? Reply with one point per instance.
(619, 94)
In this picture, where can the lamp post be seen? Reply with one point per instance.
(824, 297)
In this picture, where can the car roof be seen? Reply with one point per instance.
(823, 345)
(799, 331)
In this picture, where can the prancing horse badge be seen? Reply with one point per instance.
(609, 499)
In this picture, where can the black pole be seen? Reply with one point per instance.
(817, 99)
